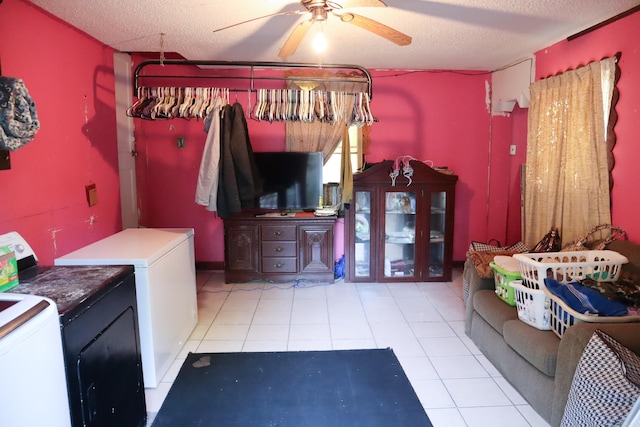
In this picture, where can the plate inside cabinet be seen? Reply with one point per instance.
(362, 227)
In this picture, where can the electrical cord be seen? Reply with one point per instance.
(297, 284)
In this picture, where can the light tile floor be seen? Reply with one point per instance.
(422, 322)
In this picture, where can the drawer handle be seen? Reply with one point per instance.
(277, 233)
(278, 249)
(278, 265)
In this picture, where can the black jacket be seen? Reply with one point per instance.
(239, 181)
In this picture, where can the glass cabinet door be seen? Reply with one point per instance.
(399, 234)
(362, 234)
(437, 233)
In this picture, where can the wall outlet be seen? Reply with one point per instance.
(512, 150)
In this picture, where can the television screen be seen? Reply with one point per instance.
(291, 180)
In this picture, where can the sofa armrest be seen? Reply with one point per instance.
(572, 345)
(475, 283)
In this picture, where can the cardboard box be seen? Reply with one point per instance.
(8, 269)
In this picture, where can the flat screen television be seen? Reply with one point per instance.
(291, 180)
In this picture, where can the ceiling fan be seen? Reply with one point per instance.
(319, 11)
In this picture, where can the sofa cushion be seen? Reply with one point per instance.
(492, 309)
(540, 348)
(631, 270)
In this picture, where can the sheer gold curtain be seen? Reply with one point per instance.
(567, 173)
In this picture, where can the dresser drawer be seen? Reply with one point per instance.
(279, 265)
(278, 232)
(279, 249)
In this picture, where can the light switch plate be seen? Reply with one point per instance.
(92, 194)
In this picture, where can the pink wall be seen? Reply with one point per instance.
(621, 36)
(503, 211)
(167, 175)
(70, 77)
(440, 117)
(432, 116)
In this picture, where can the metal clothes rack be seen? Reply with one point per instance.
(254, 70)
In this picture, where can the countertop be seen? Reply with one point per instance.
(69, 286)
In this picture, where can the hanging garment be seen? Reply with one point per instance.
(228, 199)
(207, 186)
(239, 180)
(247, 175)
(18, 116)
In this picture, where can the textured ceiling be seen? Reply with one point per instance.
(447, 34)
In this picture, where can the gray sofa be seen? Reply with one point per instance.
(537, 363)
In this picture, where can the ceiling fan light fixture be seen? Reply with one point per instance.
(320, 42)
(318, 14)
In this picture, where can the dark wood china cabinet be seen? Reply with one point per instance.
(399, 225)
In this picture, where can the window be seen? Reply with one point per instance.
(331, 169)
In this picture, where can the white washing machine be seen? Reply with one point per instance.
(33, 385)
(164, 265)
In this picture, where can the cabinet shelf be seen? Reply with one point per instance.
(399, 213)
(409, 229)
(397, 241)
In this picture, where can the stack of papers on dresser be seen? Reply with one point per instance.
(327, 211)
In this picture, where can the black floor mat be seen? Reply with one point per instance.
(346, 388)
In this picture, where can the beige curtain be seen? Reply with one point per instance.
(321, 136)
(567, 175)
(346, 175)
(315, 136)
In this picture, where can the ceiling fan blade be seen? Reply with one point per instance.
(289, 12)
(360, 3)
(295, 38)
(376, 27)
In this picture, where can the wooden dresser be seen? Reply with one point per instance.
(278, 248)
